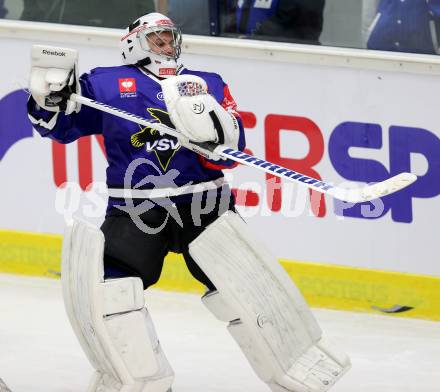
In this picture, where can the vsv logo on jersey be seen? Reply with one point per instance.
(164, 147)
(127, 87)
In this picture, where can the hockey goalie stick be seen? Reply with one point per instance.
(354, 195)
(3, 386)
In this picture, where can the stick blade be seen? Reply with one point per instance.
(3, 386)
(375, 191)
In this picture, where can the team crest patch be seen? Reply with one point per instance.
(127, 87)
(163, 146)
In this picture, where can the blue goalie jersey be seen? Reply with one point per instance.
(130, 89)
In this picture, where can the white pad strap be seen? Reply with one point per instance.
(267, 315)
(109, 318)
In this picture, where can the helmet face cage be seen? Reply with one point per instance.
(144, 45)
(147, 44)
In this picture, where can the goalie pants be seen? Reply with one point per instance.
(129, 251)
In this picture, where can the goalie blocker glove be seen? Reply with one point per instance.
(196, 114)
(53, 78)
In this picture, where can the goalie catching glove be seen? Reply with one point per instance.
(196, 114)
(53, 77)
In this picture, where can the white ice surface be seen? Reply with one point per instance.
(39, 352)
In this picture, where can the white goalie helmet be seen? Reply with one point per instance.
(145, 44)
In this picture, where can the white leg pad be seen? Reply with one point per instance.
(110, 319)
(268, 317)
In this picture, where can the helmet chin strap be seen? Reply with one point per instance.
(155, 69)
(144, 62)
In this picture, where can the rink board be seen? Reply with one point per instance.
(336, 114)
(326, 286)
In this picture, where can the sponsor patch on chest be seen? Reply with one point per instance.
(127, 87)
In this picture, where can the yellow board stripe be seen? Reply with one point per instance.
(358, 289)
(30, 253)
(323, 285)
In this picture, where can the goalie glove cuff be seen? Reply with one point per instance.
(50, 87)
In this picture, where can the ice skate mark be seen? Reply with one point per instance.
(4, 387)
(393, 309)
(53, 272)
